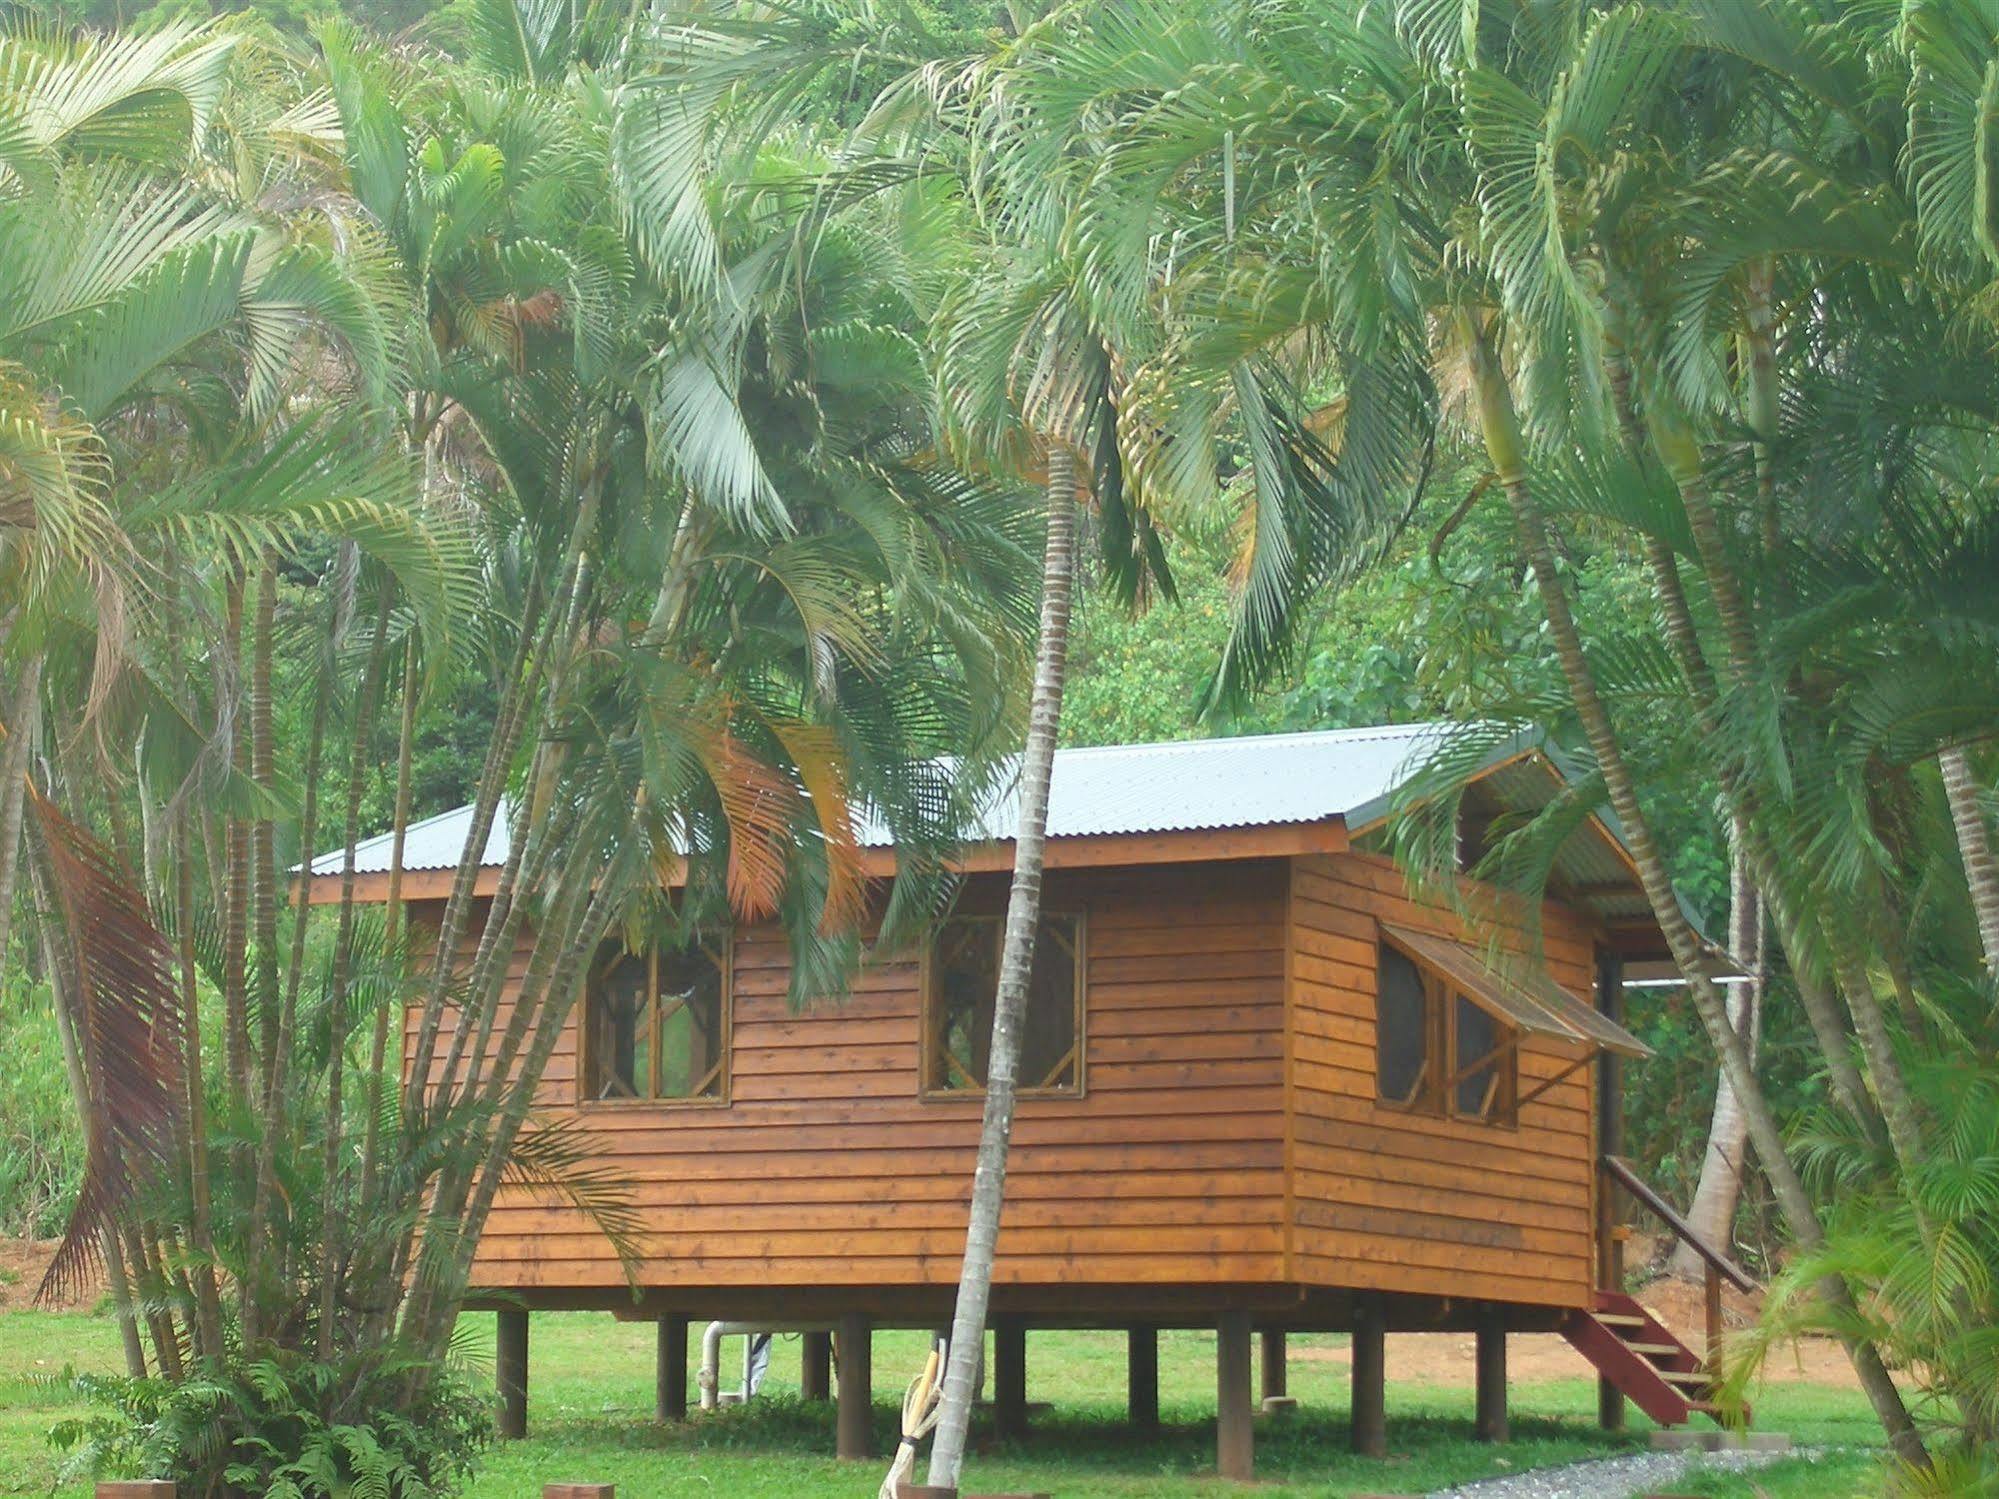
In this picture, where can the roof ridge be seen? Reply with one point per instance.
(1349, 734)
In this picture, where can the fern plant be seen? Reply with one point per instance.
(286, 1427)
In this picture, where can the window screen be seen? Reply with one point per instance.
(964, 987)
(1403, 1025)
(656, 1026)
(1436, 1052)
(1476, 1061)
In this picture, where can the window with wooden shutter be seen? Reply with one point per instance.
(1437, 1050)
(961, 987)
(656, 1027)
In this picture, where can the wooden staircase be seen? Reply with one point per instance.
(1642, 1357)
(1634, 1351)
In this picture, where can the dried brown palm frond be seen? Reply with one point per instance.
(126, 1015)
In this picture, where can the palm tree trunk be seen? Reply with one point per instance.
(392, 914)
(332, 1237)
(23, 722)
(1684, 642)
(1023, 921)
(1681, 454)
(262, 1271)
(1720, 1188)
(1974, 847)
(1506, 448)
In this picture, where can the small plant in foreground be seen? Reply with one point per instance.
(286, 1428)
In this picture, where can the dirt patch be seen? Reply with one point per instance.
(23, 1262)
(1449, 1357)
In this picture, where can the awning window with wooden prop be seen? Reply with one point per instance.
(1477, 1014)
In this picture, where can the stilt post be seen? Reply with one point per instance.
(1609, 1141)
(855, 1417)
(1009, 1379)
(1273, 1366)
(1235, 1427)
(670, 1370)
(510, 1367)
(1142, 1377)
(1370, 1378)
(1490, 1424)
(815, 1370)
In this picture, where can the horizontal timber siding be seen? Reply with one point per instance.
(1386, 1200)
(826, 1169)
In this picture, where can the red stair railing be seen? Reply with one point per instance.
(1717, 1266)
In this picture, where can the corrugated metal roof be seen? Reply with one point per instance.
(434, 843)
(1247, 781)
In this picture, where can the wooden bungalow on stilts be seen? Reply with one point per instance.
(1266, 1090)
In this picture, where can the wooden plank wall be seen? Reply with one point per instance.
(825, 1168)
(1387, 1200)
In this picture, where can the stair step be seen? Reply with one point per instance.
(1655, 1350)
(1686, 1376)
(1619, 1319)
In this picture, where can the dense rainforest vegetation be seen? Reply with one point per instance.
(667, 426)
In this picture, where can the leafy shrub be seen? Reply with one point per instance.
(283, 1428)
(41, 1142)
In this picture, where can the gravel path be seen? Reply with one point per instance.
(1609, 1477)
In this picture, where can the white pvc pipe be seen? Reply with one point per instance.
(710, 1378)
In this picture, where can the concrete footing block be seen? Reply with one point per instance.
(1280, 1406)
(1683, 1439)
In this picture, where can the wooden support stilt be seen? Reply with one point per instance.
(1370, 1379)
(1142, 1377)
(1490, 1424)
(1009, 1379)
(1273, 1366)
(1235, 1427)
(670, 1370)
(510, 1367)
(855, 1417)
(815, 1372)
(1609, 1141)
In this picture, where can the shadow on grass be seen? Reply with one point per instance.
(1303, 1446)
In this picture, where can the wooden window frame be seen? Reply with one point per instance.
(929, 1039)
(724, 956)
(1436, 1097)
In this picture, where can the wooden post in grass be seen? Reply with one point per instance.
(1235, 1427)
(1142, 1378)
(1609, 1141)
(670, 1370)
(510, 1366)
(1370, 1378)
(815, 1366)
(1273, 1366)
(1009, 1379)
(854, 1419)
(579, 1491)
(1490, 1423)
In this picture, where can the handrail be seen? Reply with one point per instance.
(1620, 1171)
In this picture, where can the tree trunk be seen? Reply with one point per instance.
(1023, 919)
(23, 722)
(1720, 1190)
(1506, 448)
(1974, 846)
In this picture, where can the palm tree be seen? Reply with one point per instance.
(1395, 246)
(725, 587)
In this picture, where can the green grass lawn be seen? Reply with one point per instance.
(591, 1400)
